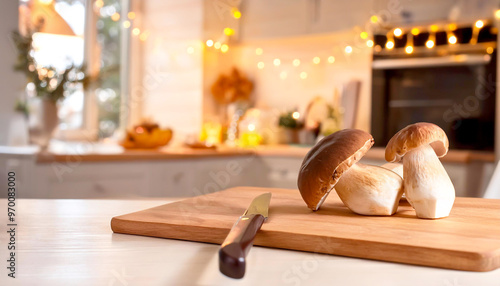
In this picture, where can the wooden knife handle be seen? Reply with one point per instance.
(235, 247)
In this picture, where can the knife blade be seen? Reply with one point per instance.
(238, 242)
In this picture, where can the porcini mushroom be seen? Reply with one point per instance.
(427, 186)
(364, 189)
(395, 167)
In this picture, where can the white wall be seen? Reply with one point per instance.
(11, 83)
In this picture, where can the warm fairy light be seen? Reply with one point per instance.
(115, 17)
(452, 40)
(99, 3)
(126, 24)
(452, 27)
(296, 63)
(497, 14)
(139, 130)
(409, 49)
(260, 65)
(236, 13)
(316, 60)
(277, 62)
(131, 15)
(283, 75)
(348, 49)
(224, 48)
(434, 28)
(136, 31)
(45, 2)
(377, 48)
(479, 24)
(389, 45)
(369, 43)
(51, 73)
(429, 44)
(190, 50)
(144, 36)
(415, 31)
(489, 50)
(331, 59)
(210, 43)
(228, 31)
(303, 75)
(217, 45)
(374, 19)
(259, 51)
(363, 35)
(251, 127)
(398, 32)
(296, 115)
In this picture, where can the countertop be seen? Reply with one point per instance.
(69, 242)
(104, 152)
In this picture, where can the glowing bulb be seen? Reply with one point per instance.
(369, 43)
(389, 45)
(415, 31)
(348, 49)
(144, 36)
(228, 31)
(45, 2)
(283, 75)
(303, 75)
(374, 19)
(296, 62)
(224, 48)
(409, 49)
(217, 45)
(251, 127)
(260, 65)
(126, 24)
(434, 28)
(331, 59)
(259, 51)
(296, 115)
(489, 50)
(378, 48)
(190, 50)
(429, 44)
(316, 60)
(131, 15)
(398, 32)
(452, 27)
(136, 31)
(99, 3)
(115, 17)
(277, 62)
(363, 35)
(479, 24)
(497, 14)
(210, 43)
(452, 40)
(236, 13)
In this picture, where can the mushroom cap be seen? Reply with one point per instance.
(414, 136)
(325, 163)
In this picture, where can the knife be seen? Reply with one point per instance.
(238, 242)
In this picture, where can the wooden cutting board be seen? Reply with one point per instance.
(469, 239)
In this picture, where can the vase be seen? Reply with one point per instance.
(42, 122)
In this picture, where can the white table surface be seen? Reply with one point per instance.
(70, 242)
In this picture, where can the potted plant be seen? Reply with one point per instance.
(291, 125)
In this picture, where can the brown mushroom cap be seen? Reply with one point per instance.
(414, 136)
(325, 163)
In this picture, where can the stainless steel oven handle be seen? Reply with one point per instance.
(453, 60)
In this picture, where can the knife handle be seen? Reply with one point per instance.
(235, 247)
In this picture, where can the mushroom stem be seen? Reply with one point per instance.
(370, 190)
(427, 186)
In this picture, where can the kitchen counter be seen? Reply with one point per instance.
(69, 242)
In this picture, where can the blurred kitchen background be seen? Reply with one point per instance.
(164, 98)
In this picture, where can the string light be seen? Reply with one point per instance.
(434, 28)
(398, 32)
(210, 43)
(369, 43)
(363, 35)
(452, 40)
(452, 27)
(374, 19)
(136, 31)
(295, 115)
(260, 65)
(224, 48)
(190, 50)
(115, 17)
(228, 31)
(283, 75)
(144, 36)
(131, 15)
(126, 24)
(389, 45)
(497, 14)
(479, 24)
(316, 60)
(489, 50)
(429, 44)
(415, 31)
(377, 48)
(276, 62)
(409, 49)
(303, 75)
(409, 44)
(259, 51)
(217, 45)
(99, 3)
(296, 63)
(331, 59)
(348, 49)
(236, 13)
